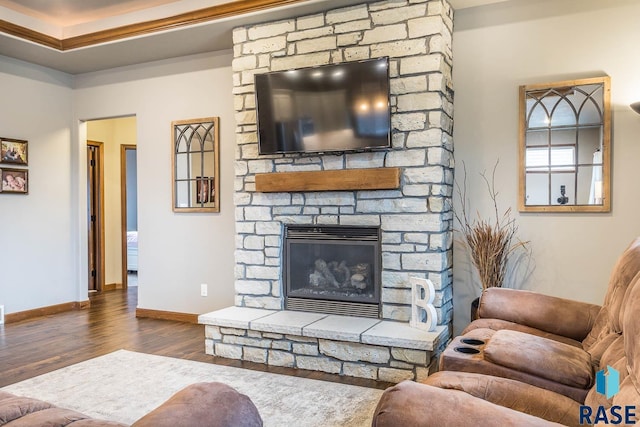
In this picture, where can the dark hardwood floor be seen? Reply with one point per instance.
(36, 346)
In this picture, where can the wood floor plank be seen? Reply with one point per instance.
(39, 345)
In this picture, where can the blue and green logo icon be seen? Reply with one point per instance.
(608, 382)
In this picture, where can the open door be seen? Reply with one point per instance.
(95, 215)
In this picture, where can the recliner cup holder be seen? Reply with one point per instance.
(467, 350)
(472, 341)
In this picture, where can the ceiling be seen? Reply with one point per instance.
(59, 21)
(65, 13)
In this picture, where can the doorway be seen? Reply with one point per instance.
(116, 166)
(95, 214)
(129, 214)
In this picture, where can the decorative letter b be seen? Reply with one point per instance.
(423, 313)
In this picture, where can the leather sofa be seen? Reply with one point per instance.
(454, 398)
(549, 342)
(572, 322)
(210, 404)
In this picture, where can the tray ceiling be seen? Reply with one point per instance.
(55, 22)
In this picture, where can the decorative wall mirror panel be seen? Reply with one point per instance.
(565, 146)
(195, 165)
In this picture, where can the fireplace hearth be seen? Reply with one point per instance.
(332, 269)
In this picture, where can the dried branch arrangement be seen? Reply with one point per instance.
(491, 242)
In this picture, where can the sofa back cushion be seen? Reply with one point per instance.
(630, 387)
(613, 357)
(622, 355)
(609, 319)
(600, 350)
(553, 315)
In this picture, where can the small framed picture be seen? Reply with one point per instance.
(203, 189)
(13, 151)
(14, 181)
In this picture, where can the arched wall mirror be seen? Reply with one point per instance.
(195, 165)
(565, 146)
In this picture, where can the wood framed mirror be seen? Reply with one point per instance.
(565, 146)
(195, 165)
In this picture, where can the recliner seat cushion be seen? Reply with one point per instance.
(500, 324)
(510, 393)
(542, 357)
(452, 360)
(420, 405)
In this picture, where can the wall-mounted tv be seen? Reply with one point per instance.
(338, 107)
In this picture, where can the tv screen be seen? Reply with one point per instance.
(341, 107)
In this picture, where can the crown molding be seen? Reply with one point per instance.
(225, 10)
(30, 35)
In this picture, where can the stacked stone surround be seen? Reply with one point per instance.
(416, 219)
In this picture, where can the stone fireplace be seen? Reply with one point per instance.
(413, 222)
(332, 269)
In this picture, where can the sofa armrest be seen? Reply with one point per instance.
(204, 404)
(560, 316)
(509, 393)
(421, 405)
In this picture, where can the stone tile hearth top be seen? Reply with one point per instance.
(341, 328)
(285, 322)
(333, 327)
(395, 334)
(234, 317)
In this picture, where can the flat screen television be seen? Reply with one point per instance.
(339, 107)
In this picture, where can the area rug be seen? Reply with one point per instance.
(123, 386)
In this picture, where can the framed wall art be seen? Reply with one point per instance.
(13, 151)
(14, 181)
(195, 165)
(565, 146)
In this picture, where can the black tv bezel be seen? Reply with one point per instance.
(334, 151)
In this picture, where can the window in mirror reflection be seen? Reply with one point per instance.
(195, 165)
(565, 145)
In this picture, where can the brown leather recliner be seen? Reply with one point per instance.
(545, 341)
(211, 404)
(450, 398)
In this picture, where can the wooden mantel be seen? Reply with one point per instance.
(329, 180)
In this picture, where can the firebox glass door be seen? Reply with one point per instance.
(344, 271)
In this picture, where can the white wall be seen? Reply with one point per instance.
(499, 47)
(177, 251)
(36, 252)
(112, 133)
